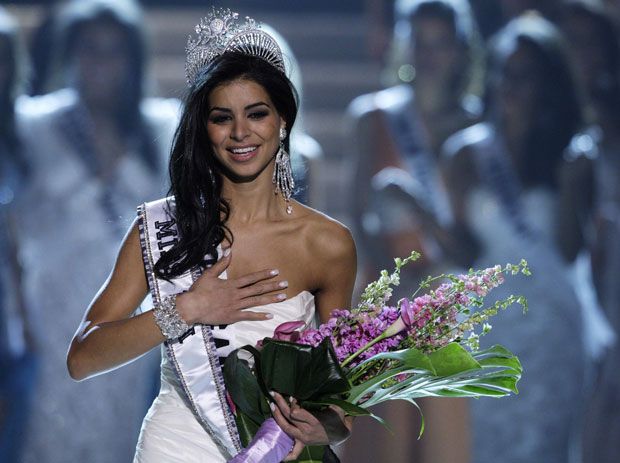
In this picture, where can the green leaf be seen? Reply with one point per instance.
(312, 454)
(498, 356)
(454, 373)
(407, 361)
(282, 363)
(302, 371)
(247, 428)
(244, 389)
(323, 376)
(348, 407)
(452, 359)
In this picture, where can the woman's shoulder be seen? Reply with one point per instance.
(390, 100)
(325, 236)
(464, 143)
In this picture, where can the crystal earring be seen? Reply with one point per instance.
(283, 173)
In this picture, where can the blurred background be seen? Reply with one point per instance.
(478, 132)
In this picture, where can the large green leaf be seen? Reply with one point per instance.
(404, 361)
(282, 363)
(247, 428)
(302, 371)
(244, 389)
(313, 454)
(452, 359)
(453, 372)
(324, 376)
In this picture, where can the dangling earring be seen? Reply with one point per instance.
(283, 173)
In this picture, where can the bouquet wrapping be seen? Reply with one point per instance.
(422, 346)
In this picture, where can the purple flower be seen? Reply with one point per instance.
(407, 311)
(288, 331)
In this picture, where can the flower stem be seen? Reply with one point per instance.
(363, 349)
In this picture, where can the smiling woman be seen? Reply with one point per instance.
(243, 126)
(228, 256)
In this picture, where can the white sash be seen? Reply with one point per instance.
(194, 358)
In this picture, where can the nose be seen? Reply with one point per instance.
(239, 130)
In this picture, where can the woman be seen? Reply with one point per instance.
(230, 148)
(97, 148)
(18, 356)
(398, 131)
(592, 188)
(503, 177)
(397, 135)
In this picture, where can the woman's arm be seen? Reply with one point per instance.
(109, 337)
(575, 203)
(335, 269)
(334, 266)
(460, 177)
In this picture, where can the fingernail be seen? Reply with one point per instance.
(226, 252)
(272, 406)
(272, 394)
(274, 272)
(268, 316)
(281, 297)
(290, 399)
(283, 284)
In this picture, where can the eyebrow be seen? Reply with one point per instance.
(228, 110)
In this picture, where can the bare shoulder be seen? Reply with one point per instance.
(330, 260)
(458, 156)
(326, 237)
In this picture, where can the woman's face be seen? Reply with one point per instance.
(587, 50)
(243, 127)
(102, 62)
(519, 83)
(437, 55)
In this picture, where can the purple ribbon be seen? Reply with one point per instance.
(269, 445)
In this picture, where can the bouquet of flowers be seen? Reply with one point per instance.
(425, 345)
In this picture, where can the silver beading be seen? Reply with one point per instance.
(168, 318)
(283, 173)
(220, 32)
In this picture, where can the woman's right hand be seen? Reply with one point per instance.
(215, 301)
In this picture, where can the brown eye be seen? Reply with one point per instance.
(219, 118)
(258, 114)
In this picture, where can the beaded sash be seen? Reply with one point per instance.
(194, 358)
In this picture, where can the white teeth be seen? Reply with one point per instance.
(243, 150)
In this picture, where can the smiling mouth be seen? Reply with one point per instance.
(243, 154)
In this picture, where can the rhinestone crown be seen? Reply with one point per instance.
(220, 32)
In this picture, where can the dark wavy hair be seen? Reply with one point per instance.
(559, 113)
(195, 178)
(606, 89)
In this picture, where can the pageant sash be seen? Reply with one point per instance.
(195, 358)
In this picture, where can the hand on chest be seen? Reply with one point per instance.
(253, 251)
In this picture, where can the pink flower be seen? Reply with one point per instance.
(407, 311)
(288, 331)
(231, 404)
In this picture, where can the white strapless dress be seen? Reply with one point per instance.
(170, 431)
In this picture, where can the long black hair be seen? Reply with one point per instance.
(196, 182)
(559, 114)
(74, 20)
(605, 90)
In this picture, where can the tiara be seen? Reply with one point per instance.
(220, 32)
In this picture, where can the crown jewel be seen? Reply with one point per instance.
(220, 32)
